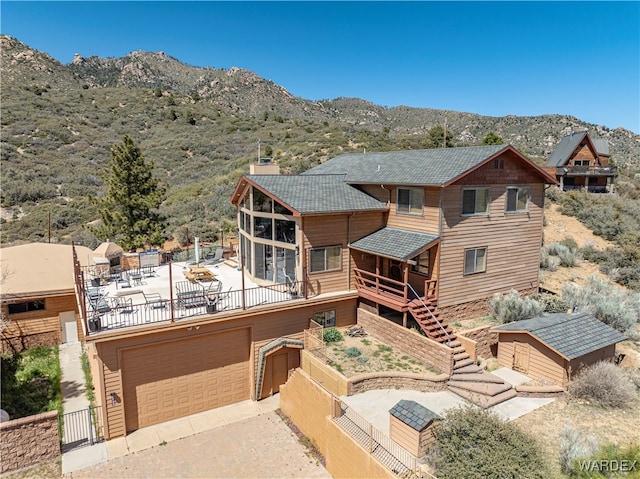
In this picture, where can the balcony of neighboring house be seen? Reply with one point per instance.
(585, 170)
(595, 179)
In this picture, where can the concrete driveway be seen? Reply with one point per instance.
(258, 447)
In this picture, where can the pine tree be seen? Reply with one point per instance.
(129, 209)
(492, 139)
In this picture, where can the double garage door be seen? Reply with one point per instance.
(177, 378)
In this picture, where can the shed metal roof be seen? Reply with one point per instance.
(394, 243)
(316, 194)
(571, 335)
(407, 167)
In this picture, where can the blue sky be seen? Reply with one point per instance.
(491, 58)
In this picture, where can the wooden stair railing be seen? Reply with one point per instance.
(427, 316)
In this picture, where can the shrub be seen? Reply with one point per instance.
(552, 303)
(570, 243)
(332, 335)
(603, 384)
(614, 306)
(472, 443)
(353, 352)
(574, 445)
(568, 257)
(511, 307)
(548, 262)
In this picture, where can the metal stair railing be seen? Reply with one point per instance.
(431, 313)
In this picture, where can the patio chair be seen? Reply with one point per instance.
(122, 305)
(154, 300)
(136, 277)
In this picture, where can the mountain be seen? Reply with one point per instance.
(201, 127)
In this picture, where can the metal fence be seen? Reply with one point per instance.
(81, 428)
(397, 459)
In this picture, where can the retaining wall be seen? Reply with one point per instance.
(413, 344)
(28, 441)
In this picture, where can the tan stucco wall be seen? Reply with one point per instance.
(309, 406)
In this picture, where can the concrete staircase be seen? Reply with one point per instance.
(474, 384)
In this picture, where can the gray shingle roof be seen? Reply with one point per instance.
(413, 414)
(568, 144)
(409, 167)
(572, 335)
(394, 243)
(317, 193)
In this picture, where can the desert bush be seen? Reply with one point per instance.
(568, 256)
(548, 262)
(603, 384)
(612, 305)
(552, 303)
(574, 445)
(353, 352)
(473, 442)
(332, 335)
(553, 193)
(570, 243)
(510, 307)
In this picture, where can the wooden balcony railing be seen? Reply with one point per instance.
(390, 288)
(586, 170)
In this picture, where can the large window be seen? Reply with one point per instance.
(410, 201)
(517, 199)
(262, 227)
(26, 307)
(326, 318)
(261, 202)
(475, 201)
(325, 259)
(286, 231)
(263, 257)
(422, 263)
(475, 260)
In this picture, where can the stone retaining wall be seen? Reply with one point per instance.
(486, 341)
(397, 380)
(29, 440)
(413, 344)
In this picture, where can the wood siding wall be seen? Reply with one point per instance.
(585, 153)
(428, 222)
(544, 364)
(513, 240)
(265, 325)
(43, 322)
(336, 230)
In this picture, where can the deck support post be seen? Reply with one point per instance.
(404, 319)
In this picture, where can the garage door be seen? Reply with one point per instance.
(177, 378)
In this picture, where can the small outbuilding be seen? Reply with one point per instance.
(412, 426)
(553, 348)
(111, 252)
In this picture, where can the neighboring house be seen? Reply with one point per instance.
(553, 348)
(38, 294)
(423, 235)
(582, 162)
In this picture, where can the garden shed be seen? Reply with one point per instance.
(412, 426)
(553, 348)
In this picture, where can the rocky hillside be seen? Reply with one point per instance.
(201, 128)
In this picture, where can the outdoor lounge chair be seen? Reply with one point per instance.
(190, 295)
(214, 258)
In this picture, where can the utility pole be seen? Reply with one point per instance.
(444, 140)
